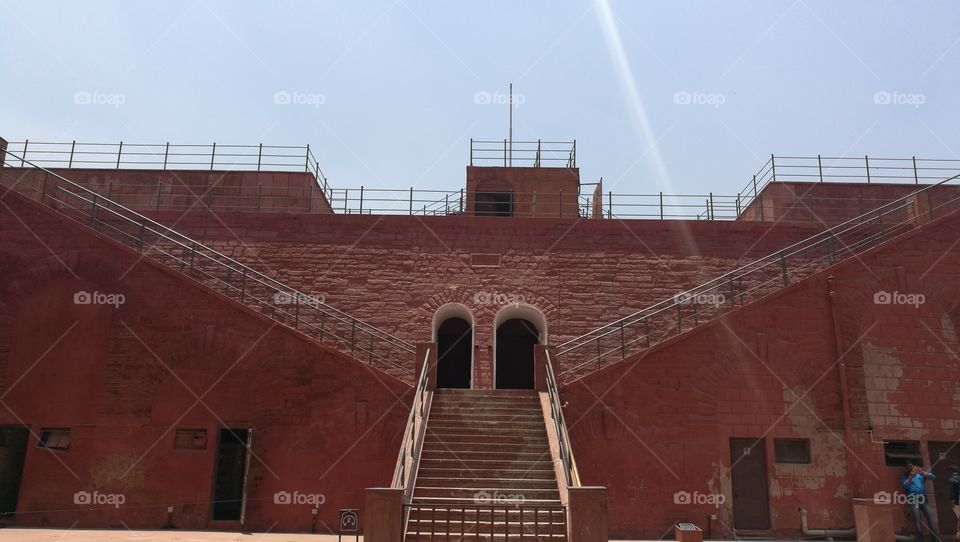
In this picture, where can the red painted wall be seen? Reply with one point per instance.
(173, 355)
(142, 190)
(660, 423)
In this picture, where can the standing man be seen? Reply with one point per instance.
(955, 494)
(914, 483)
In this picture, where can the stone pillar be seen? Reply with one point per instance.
(432, 360)
(540, 367)
(383, 515)
(587, 519)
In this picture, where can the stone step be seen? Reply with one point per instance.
(475, 410)
(539, 472)
(537, 446)
(420, 502)
(496, 537)
(501, 483)
(472, 464)
(487, 495)
(432, 454)
(469, 425)
(439, 417)
(499, 437)
(470, 525)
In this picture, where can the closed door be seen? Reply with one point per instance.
(942, 456)
(751, 502)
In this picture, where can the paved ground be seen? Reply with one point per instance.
(90, 535)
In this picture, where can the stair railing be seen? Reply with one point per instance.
(285, 304)
(571, 475)
(778, 270)
(404, 474)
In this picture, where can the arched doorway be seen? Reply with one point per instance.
(453, 334)
(515, 340)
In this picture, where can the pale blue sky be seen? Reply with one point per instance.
(398, 78)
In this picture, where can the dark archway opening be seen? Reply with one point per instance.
(494, 203)
(515, 341)
(454, 351)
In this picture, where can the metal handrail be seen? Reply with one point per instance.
(286, 305)
(167, 156)
(405, 471)
(764, 275)
(572, 476)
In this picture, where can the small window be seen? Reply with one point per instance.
(190, 439)
(900, 452)
(494, 204)
(54, 439)
(791, 450)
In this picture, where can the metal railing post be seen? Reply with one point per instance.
(820, 167)
(916, 178)
(23, 158)
(866, 161)
(712, 216)
(504, 153)
(610, 204)
(306, 159)
(213, 154)
(119, 153)
(72, 147)
(471, 151)
(773, 169)
(259, 156)
(166, 154)
(754, 186)
(783, 269)
(661, 205)
(361, 199)
(411, 200)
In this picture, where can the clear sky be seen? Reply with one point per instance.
(389, 88)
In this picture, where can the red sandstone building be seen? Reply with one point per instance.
(215, 338)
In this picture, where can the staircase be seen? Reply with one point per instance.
(485, 470)
(686, 310)
(284, 304)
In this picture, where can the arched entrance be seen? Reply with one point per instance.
(518, 329)
(454, 353)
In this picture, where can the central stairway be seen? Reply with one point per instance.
(485, 470)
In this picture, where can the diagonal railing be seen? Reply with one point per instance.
(404, 474)
(559, 429)
(685, 310)
(287, 305)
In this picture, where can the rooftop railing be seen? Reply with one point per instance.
(165, 156)
(506, 153)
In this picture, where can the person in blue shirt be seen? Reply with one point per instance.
(914, 481)
(955, 494)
